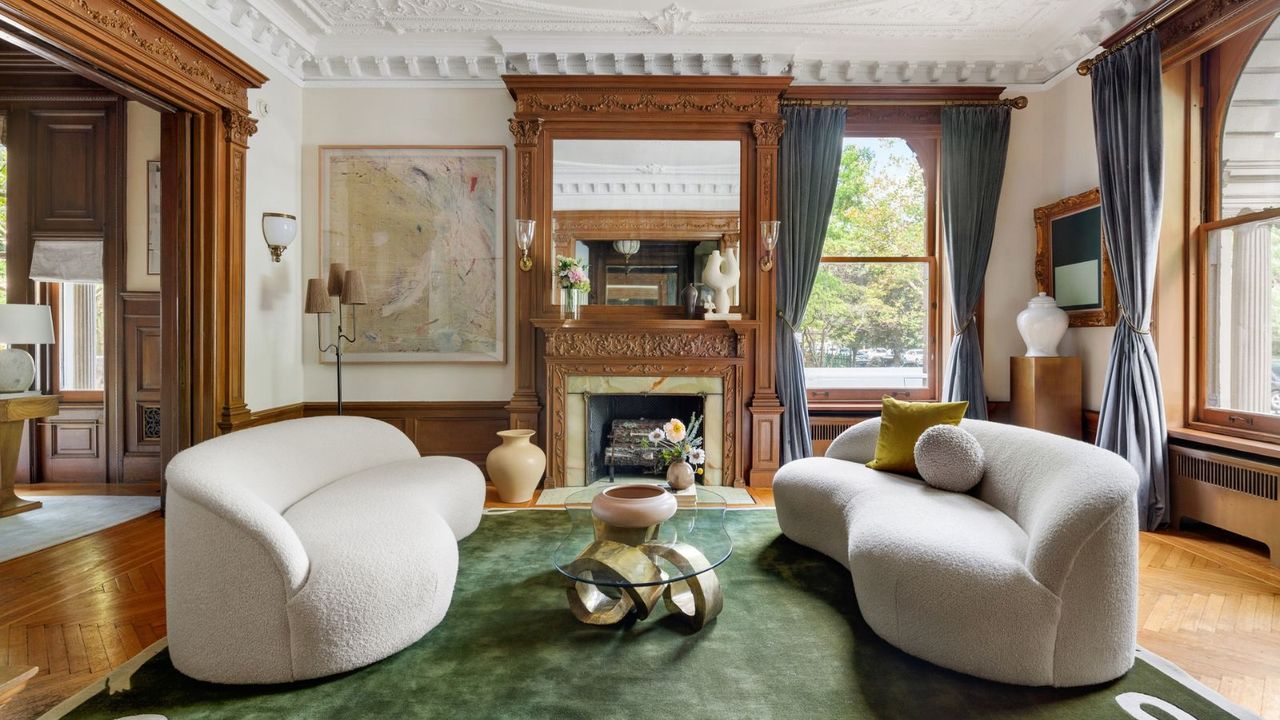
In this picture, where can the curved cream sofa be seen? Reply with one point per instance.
(309, 547)
(1030, 579)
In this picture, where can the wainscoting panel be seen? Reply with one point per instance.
(141, 386)
(72, 444)
(461, 429)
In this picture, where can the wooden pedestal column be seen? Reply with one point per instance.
(1045, 394)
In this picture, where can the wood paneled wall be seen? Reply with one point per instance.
(461, 429)
(140, 383)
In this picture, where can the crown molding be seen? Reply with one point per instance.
(472, 43)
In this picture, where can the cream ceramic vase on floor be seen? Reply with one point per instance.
(516, 466)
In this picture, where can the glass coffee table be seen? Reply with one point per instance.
(618, 573)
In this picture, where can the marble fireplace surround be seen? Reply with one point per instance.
(581, 358)
(580, 388)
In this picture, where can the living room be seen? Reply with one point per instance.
(844, 359)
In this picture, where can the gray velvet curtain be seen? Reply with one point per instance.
(808, 168)
(1127, 125)
(975, 141)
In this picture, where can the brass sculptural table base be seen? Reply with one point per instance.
(638, 582)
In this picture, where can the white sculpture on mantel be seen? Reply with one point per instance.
(721, 274)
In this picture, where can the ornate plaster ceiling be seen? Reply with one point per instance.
(999, 42)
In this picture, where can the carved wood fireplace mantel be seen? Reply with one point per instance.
(664, 353)
(654, 341)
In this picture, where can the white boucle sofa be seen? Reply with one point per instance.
(309, 547)
(1029, 579)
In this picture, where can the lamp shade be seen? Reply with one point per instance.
(279, 229)
(337, 271)
(769, 233)
(318, 297)
(524, 233)
(627, 247)
(353, 288)
(26, 325)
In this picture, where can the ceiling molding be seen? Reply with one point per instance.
(472, 43)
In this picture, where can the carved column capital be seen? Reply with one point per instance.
(768, 132)
(526, 132)
(239, 126)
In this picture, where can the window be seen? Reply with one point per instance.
(1238, 251)
(869, 327)
(1242, 322)
(78, 310)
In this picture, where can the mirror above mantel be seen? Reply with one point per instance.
(643, 216)
(649, 174)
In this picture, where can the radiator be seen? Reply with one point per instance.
(825, 429)
(1232, 493)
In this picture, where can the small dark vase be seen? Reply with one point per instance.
(690, 298)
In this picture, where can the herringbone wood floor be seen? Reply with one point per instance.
(81, 608)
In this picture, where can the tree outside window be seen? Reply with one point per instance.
(866, 330)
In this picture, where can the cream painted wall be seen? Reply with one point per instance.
(1051, 156)
(273, 295)
(273, 291)
(142, 144)
(377, 116)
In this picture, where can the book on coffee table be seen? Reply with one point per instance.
(685, 498)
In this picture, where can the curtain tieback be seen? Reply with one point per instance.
(787, 322)
(965, 327)
(1124, 315)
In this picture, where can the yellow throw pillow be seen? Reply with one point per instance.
(901, 424)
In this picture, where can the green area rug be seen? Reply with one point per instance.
(789, 644)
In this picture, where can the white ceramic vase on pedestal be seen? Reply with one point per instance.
(1042, 325)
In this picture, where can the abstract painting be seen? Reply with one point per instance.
(425, 226)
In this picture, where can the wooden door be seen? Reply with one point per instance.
(68, 165)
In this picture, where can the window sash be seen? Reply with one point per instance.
(1259, 426)
(838, 399)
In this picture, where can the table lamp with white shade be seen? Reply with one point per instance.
(21, 325)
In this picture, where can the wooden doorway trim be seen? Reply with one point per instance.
(152, 51)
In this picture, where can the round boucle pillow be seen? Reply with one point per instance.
(949, 458)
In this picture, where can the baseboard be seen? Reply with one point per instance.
(275, 414)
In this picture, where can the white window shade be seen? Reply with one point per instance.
(71, 261)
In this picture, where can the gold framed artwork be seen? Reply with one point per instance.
(1071, 260)
(425, 226)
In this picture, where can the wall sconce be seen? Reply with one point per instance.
(348, 287)
(627, 248)
(769, 235)
(279, 230)
(524, 238)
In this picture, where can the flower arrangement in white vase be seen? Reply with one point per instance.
(679, 447)
(574, 283)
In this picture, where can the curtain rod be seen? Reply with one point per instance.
(1016, 103)
(1173, 8)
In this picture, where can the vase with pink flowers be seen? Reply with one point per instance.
(679, 448)
(574, 284)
